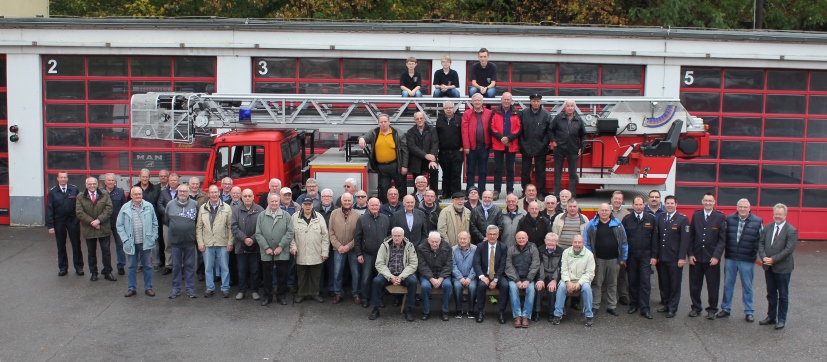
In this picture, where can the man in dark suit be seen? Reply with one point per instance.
(707, 239)
(412, 221)
(673, 240)
(491, 274)
(776, 246)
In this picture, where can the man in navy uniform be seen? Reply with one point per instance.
(707, 235)
(655, 208)
(642, 237)
(61, 220)
(673, 237)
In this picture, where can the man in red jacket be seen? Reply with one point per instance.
(504, 129)
(476, 142)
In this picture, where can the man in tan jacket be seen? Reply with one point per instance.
(342, 227)
(93, 209)
(310, 246)
(454, 219)
(215, 239)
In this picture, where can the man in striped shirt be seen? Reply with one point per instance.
(567, 225)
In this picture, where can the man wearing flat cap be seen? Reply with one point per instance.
(454, 219)
(534, 142)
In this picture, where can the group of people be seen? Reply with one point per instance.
(526, 253)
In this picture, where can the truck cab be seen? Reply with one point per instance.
(252, 158)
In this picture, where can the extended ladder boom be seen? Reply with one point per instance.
(179, 117)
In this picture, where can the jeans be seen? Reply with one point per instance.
(121, 256)
(472, 294)
(452, 93)
(106, 257)
(338, 271)
(733, 269)
(183, 261)
(539, 163)
(417, 94)
(368, 271)
(156, 258)
(571, 158)
(62, 229)
(141, 256)
(378, 289)
(509, 171)
(477, 166)
(326, 280)
(585, 295)
(217, 255)
(514, 296)
(778, 294)
(605, 276)
(248, 273)
(426, 286)
(290, 276)
(489, 93)
(167, 248)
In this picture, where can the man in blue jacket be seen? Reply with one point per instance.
(743, 230)
(606, 239)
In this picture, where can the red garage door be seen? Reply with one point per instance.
(4, 146)
(769, 142)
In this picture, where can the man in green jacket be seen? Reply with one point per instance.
(274, 231)
(396, 263)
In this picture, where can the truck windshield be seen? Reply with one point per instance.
(239, 161)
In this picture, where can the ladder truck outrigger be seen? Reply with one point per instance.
(632, 142)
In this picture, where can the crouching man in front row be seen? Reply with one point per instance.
(396, 264)
(576, 272)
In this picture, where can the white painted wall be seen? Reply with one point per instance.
(26, 168)
(234, 74)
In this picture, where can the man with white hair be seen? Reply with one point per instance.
(312, 192)
(423, 147)
(743, 230)
(449, 133)
(226, 188)
(396, 263)
(274, 187)
(168, 194)
(215, 239)
(567, 134)
(435, 264)
(351, 187)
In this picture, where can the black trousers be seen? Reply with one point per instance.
(281, 275)
(539, 163)
(92, 249)
(502, 300)
(499, 156)
(73, 231)
(673, 276)
(639, 272)
(697, 273)
(388, 172)
(451, 163)
(571, 159)
(662, 287)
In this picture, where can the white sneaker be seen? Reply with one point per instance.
(239, 296)
(256, 296)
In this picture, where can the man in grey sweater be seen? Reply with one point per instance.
(180, 216)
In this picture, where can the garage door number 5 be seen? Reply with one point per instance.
(688, 79)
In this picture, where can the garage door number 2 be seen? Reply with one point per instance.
(53, 69)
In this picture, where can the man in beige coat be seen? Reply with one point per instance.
(454, 219)
(310, 246)
(342, 228)
(215, 239)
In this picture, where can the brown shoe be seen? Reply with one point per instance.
(518, 322)
(149, 292)
(129, 293)
(337, 299)
(357, 300)
(496, 195)
(525, 322)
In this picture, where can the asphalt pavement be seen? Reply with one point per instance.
(47, 317)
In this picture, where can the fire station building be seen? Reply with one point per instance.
(66, 84)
